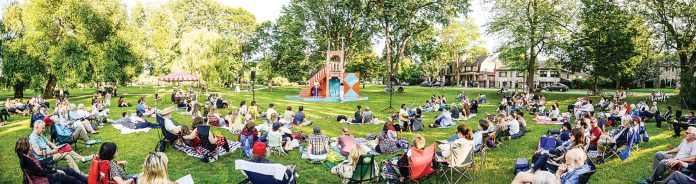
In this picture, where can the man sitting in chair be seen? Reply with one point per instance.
(170, 124)
(663, 160)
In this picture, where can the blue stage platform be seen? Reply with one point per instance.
(329, 99)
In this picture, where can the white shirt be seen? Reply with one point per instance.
(686, 150)
(513, 126)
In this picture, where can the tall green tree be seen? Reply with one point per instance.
(606, 40)
(674, 20)
(400, 21)
(531, 28)
(460, 42)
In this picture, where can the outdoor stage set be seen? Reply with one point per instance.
(332, 83)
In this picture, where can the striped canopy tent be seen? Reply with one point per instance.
(179, 76)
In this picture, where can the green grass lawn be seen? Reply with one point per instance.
(499, 167)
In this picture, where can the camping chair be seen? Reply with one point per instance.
(481, 153)
(99, 172)
(203, 133)
(625, 138)
(166, 138)
(64, 136)
(461, 169)
(264, 173)
(365, 170)
(275, 144)
(677, 118)
(585, 178)
(420, 164)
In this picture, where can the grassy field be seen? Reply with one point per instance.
(499, 168)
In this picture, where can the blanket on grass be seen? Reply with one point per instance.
(199, 153)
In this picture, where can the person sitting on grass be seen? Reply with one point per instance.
(12, 108)
(482, 128)
(215, 118)
(155, 169)
(133, 121)
(235, 121)
(38, 173)
(213, 142)
(684, 123)
(143, 110)
(443, 120)
(318, 145)
(108, 152)
(44, 149)
(254, 110)
(346, 168)
(368, 117)
(404, 119)
(357, 116)
(300, 119)
(515, 130)
(346, 142)
(287, 115)
(270, 111)
(122, 102)
(417, 120)
(455, 112)
(386, 141)
(663, 160)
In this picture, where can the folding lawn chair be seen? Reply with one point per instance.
(364, 171)
(265, 173)
(677, 118)
(420, 164)
(461, 169)
(585, 178)
(481, 153)
(275, 144)
(166, 138)
(99, 172)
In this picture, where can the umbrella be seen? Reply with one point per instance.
(178, 77)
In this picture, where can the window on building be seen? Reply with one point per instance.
(543, 74)
(554, 74)
(502, 74)
(520, 74)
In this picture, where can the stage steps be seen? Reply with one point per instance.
(305, 93)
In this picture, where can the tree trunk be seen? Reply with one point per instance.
(50, 86)
(18, 90)
(687, 81)
(531, 68)
(618, 83)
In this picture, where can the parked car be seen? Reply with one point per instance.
(557, 87)
(431, 84)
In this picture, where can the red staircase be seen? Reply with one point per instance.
(305, 93)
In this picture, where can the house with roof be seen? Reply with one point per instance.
(547, 73)
(480, 73)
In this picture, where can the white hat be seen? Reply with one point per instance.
(691, 130)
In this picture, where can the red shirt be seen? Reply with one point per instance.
(596, 132)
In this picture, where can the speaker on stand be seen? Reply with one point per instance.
(253, 79)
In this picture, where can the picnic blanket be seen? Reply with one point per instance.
(546, 121)
(126, 130)
(199, 153)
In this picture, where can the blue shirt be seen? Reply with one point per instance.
(299, 117)
(140, 108)
(39, 141)
(572, 177)
(445, 119)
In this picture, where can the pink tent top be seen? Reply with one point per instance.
(178, 77)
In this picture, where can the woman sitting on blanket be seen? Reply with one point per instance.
(235, 121)
(387, 141)
(213, 142)
(444, 120)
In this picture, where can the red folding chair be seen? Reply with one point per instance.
(99, 172)
(420, 164)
